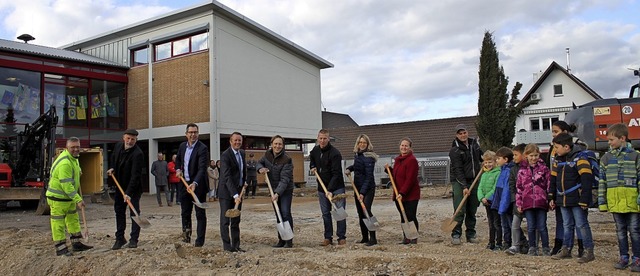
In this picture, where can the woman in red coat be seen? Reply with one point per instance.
(405, 174)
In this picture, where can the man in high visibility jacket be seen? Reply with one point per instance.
(63, 198)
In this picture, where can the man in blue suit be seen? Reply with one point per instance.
(191, 163)
(233, 175)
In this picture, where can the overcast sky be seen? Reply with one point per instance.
(395, 61)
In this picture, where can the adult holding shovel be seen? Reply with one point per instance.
(325, 162)
(233, 173)
(364, 187)
(277, 167)
(406, 189)
(126, 165)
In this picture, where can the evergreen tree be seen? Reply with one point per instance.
(497, 110)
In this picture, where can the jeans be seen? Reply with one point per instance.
(166, 193)
(517, 235)
(173, 191)
(537, 221)
(495, 226)
(575, 218)
(120, 207)
(506, 219)
(628, 223)
(468, 212)
(284, 203)
(560, 227)
(325, 208)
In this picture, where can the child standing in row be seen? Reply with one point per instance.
(618, 193)
(486, 190)
(520, 244)
(502, 196)
(531, 198)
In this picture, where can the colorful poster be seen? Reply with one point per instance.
(7, 98)
(95, 100)
(72, 101)
(82, 101)
(104, 100)
(71, 113)
(111, 110)
(81, 113)
(94, 112)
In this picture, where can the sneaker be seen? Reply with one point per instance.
(456, 241)
(472, 240)
(623, 263)
(132, 244)
(497, 248)
(546, 251)
(635, 264)
(512, 250)
(342, 242)
(490, 246)
(532, 251)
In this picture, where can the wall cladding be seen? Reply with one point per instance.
(138, 98)
(179, 95)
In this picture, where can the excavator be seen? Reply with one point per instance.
(28, 158)
(594, 118)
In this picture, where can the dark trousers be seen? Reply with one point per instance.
(411, 210)
(495, 226)
(252, 184)
(229, 227)
(284, 203)
(120, 207)
(628, 225)
(368, 201)
(181, 191)
(467, 214)
(186, 209)
(164, 189)
(173, 191)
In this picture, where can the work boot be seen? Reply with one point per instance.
(118, 244)
(342, 242)
(62, 250)
(587, 256)
(564, 253)
(186, 235)
(623, 263)
(288, 244)
(132, 244)
(76, 245)
(372, 239)
(280, 243)
(580, 249)
(364, 240)
(326, 242)
(557, 244)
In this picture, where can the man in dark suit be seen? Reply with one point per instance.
(191, 163)
(233, 173)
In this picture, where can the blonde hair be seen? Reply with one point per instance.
(489, 155)
(366, 138)
(530, 148)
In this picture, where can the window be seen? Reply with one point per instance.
(557, 90)
(535, 124)
(107, 105)
(140, 56)
(544, 123)
(181, 46)
(20, 99)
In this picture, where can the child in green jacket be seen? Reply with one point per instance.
(485, 195)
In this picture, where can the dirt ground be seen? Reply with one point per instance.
(26, 247)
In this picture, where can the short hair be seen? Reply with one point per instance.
(520, 147)
(324, 131)
(276, 137)
(564, 126)
(191, 125)
(235, 133)
(366, 138)
(489, 155)
(564, 139)
(530, 148)
(408, 140)
(618, 130)
(73, 140)
(506, 153)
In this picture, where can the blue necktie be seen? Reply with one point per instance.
(239, 165)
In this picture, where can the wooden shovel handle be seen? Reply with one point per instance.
(124, 195)
(275, 204)
(395, 190)
(464, 199)
(355, 189)
(323, 186)
(189, 191)
(241, 195)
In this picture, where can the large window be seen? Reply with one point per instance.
(181, 46)
(107, 105)
(140, 56)
(20, 95)
(542, 123)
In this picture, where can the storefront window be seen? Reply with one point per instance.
(20, 93)
(107, 105)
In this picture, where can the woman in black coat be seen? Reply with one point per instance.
(363, 166)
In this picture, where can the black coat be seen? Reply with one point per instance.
(230, 174)
(280, 170)
(328, 164)
(127, 167)
(466, 161)
(198, 164)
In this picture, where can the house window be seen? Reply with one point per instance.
(535, 124)
(548, 122)
(181, 46)
(557, 90)
(140, 56)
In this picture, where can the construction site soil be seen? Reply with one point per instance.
(26, 247)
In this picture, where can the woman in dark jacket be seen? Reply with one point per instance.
(279, 168)
(405, 174)
(363, 166)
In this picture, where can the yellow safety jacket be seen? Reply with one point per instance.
(65, 179)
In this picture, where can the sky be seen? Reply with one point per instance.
(394, 61)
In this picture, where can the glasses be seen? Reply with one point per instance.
(192, 132)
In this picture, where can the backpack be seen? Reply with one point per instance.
(594, 163)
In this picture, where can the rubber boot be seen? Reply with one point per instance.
(186, 235)
(564, 253)
(372, 239)
(62, 250)
(557, 244)
(580, 249)
(587, 256)
(76, 245)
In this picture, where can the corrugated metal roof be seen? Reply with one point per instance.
(44, 51)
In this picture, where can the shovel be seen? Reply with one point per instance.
(449, 224)
(234, 213)
(284, 228)
(142, 222)
(338, 214)
(85, 229)
(371, 222)
(195, 198)
(408, 227)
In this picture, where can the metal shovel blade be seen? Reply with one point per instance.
(284, 229)
(338, 214)
(410, 231)
(201, 205)
(142, 222)
(371, 223)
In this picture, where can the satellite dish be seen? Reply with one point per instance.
(26, 38)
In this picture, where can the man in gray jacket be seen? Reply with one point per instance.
(160, 171)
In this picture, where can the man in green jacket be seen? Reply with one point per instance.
(63, 198)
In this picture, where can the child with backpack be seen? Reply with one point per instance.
(486, 188)
(502, 195)
(570, 189)
(618, 193)
(531, 198)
